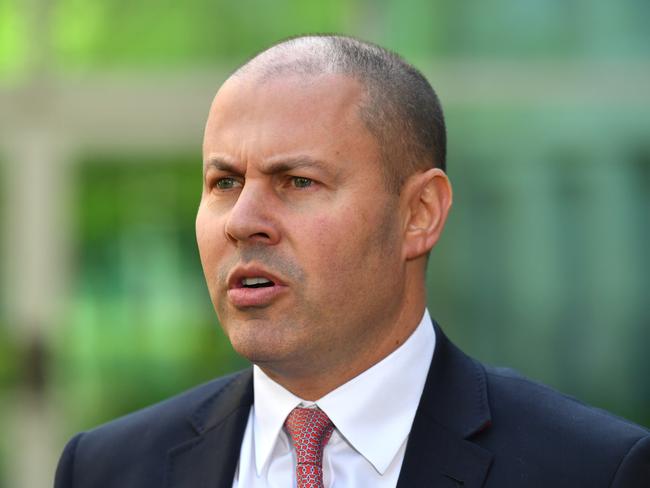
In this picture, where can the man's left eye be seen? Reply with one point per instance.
(301, 182)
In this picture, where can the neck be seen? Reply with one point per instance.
(322, 376)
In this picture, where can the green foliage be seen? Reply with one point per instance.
(93, 33)
(206, 32)
(13, 39)
(9, 360)
(141, 326)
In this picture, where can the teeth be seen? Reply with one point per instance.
(254, 281)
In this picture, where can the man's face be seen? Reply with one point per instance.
(300, 241)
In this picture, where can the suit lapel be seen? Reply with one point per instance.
(453, 407)
(210, 458)
(436, 457)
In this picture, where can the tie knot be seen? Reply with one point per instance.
(310, 429)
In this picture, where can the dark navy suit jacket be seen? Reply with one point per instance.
(475, 426)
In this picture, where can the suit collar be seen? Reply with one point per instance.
(209, 459)
(455, 394)
(453, 407)
(235, 394)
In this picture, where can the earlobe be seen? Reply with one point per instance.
(429, 198)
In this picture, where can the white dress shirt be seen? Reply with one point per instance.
(372, 413)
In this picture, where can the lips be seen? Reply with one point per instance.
(253, 286)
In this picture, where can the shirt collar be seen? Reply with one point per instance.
(360, 409)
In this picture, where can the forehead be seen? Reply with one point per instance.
(290, 91)
(290, 112)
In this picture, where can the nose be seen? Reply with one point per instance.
(251, 218)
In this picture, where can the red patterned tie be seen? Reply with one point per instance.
(310, 429)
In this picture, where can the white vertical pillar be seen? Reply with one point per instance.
(36, 231)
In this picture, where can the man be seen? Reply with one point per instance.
(323, 192)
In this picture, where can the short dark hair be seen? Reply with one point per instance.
(401, 109)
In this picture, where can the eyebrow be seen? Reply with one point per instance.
(220, 163)
(281, 165)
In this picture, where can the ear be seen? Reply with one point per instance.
(427, 199)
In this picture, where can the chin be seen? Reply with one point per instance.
(256, 342)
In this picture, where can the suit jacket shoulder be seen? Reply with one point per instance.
(479, 426)
(476, 426)
(145, 448)
(544, 438)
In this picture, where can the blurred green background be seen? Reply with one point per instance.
(544, 265)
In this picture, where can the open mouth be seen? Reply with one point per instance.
(253, 286)
(257, 282)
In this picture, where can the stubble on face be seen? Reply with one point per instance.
(260, 254)
(304, 335)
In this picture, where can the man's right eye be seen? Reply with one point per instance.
(226, 183)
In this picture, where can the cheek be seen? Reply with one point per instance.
(325, 229)
(337, 245)
(334, 231)
(208, 238)
(359, 239)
